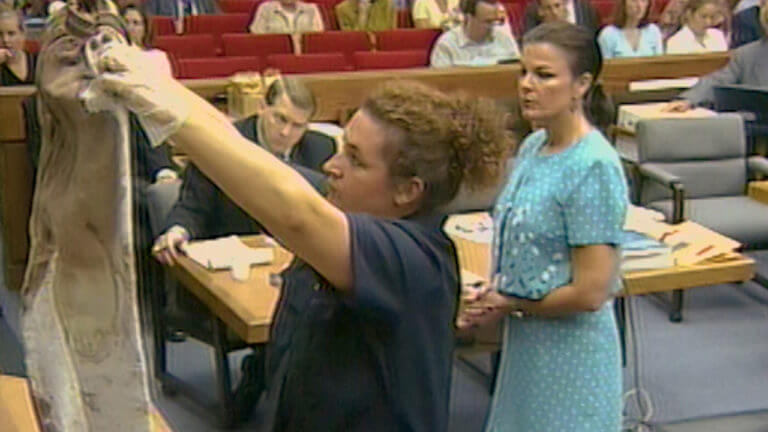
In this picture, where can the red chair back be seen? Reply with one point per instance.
(404, 18)
(213, 67)
(239, 6)
(391, 59)
(32, 46)
(217, 24)
(261, 45)
(188, 46)
(346, 42)
(308, 63)
(406, 39)
(604, 10)
(516, 15)
(163, 25)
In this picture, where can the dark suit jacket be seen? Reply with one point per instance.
(746, 27)
(586, 16)
(169, 8)
(748, 66)
(206, 212)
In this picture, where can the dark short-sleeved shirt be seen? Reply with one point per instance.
(379, 357)
(8, 78)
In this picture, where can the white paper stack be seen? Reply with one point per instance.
(228, 253)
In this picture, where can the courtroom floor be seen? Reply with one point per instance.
(469, 401)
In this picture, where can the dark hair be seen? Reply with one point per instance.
(583, 55)
(620, 14)
(149, 27)
(445, 140)
(299, 95)
(693, 5)
(469, 7)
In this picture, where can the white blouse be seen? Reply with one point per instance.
(685, 42)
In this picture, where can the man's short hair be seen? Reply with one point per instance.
(469, 7)
(299, 95)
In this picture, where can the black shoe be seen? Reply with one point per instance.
(176, 336)
(250, 387)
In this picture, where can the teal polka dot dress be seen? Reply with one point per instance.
(559, 374)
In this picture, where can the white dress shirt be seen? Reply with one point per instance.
(685, 42)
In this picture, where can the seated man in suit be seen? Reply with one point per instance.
(579, 12)
(181, 8)
(746, 26)
(204, 211)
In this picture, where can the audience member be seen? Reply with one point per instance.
(479, 41)
(745, 4)
(142, 33)
(698, 34)
(17, 67)
(560, 219)
(287, 16)
(631, 34)
(579, 12)
(746, 26)
(366, 15)
(181, 8)
(748, 66)
(439, 14)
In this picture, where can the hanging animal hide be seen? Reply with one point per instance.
(80, 321)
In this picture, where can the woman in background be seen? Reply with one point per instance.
(557, 226)
(698, 34)
(366, 15)
(631, 34)
(17, 67)
(142, 34)
(439, 14)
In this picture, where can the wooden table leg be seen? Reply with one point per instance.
(223, 377)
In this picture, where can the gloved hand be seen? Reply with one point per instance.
(161, 103)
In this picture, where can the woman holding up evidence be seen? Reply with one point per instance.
(557, 226)
(375, 277)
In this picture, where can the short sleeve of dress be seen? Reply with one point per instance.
(390, 262)
(596, 209)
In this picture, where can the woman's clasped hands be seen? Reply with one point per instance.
(482, 305)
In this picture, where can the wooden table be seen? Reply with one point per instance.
(758, 190)
(17, 411)
(245, 307)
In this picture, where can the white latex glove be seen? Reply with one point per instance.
(123, 78)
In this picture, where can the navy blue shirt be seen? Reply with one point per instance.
(379, 357)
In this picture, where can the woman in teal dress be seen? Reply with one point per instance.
(631, 34)
(557, 223)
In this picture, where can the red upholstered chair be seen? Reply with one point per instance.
(391, 59)
(239, 6)
(404, 18)
(516, 16)
(604, 10)
(308, 63)
(32, 46)
(163, 25)
(346, 42)
(406, 39)
(217, 24)
(217, 66)
(261, 45)
(188, 46)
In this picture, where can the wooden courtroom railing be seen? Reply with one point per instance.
(336, 93)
